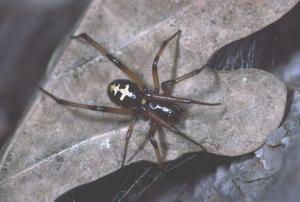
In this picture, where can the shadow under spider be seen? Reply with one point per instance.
(135, 182)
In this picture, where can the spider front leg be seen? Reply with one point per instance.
(157, 56)
(113, 110)
(173, 99)
(168, 85)
(112, 58)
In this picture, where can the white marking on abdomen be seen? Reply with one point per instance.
(114, 88)
(125, 92)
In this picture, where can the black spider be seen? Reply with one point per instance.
(137, 101)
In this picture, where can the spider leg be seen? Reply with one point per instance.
(152, 131)
(128, 135)
(168, 85)
(141, 147)
(173, 99)
(165, 124)
(157, 56)
(112, 58)
(114, 110)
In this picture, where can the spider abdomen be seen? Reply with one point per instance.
(124, 93)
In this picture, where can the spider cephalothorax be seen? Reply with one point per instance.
(137, 101)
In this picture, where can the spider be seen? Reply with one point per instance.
(137, 101)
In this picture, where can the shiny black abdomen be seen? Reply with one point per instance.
(124, 93)
(169, 111)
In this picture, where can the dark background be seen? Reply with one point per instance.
(30, 30)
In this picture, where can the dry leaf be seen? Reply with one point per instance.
(57, 148)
